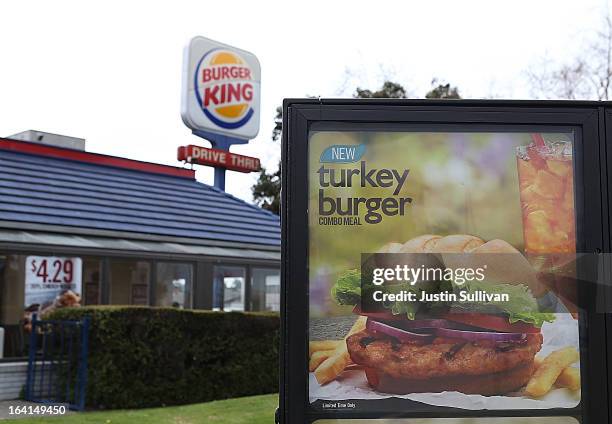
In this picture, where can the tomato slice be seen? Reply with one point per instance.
(492, 322)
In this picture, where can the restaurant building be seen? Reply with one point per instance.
(141, 234)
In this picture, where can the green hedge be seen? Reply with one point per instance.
(143, 357)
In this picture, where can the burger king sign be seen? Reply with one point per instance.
(221, 89)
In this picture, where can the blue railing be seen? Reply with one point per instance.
(57, 363)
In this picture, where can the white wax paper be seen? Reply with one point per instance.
(352, 384)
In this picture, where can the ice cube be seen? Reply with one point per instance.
(561, 168)
(548, 185)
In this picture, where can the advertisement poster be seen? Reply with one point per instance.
(500, 342)
(47, 277)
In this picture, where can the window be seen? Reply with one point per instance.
(129, 282)
(12, 278)
(33, 283)
(173, 284)
(265, 289)
(229, 288)
(91, 282)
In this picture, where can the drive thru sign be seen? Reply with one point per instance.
(219, 158)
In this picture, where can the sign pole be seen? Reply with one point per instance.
(221, 142)
(220, 178)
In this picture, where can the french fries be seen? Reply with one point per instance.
(549, 371)
(317, 358)
(319, 345)
(537, 361)
(330, 368)
(569, 378)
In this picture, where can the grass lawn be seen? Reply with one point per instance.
(248, 410)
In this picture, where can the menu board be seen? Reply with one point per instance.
(465, 337)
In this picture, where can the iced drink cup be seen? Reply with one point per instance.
(547, 196)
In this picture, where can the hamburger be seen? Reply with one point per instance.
(482, 347)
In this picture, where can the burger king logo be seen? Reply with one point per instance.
(224, 88)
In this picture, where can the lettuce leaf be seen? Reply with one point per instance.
(522, 305)
(347, 289)
(408, 308)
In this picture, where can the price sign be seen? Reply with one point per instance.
(48, 276)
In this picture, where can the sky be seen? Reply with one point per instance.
(110, 71)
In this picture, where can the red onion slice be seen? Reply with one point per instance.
(398, 333)
(429, 323)
(480, 335)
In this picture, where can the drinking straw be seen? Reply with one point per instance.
(538, 141)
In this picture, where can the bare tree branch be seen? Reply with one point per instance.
(586, 76)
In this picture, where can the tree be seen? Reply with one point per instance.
(389, 90)
(266, 191)
(586, 76)
(278, 124)
(442, 91)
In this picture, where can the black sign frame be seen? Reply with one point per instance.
(593, 163)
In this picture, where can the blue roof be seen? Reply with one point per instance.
(38, 189)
